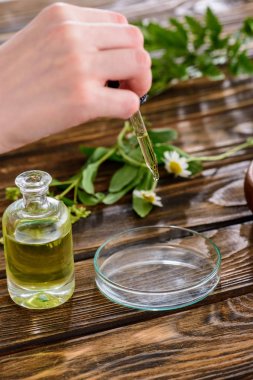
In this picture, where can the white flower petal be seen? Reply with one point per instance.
(167, 155)
(175, 156)
(137, 193)
(184, 164)
(158, 203)
(185, 173)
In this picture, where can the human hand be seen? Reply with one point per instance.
(53, 73)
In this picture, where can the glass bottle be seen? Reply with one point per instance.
(38, 245)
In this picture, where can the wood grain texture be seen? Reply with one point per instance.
(185, 202)
(90, 337)
(15, 14)
(217, 193)
(89, 311)
(206, 116)
(217, 338)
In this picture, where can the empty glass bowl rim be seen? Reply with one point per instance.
(124, 288)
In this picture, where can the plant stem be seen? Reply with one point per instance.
(226, 154)
(67, 182)
(75, 191)
(107, 155)
(73, 184)
(122, 133)
(120, 144)
(130, 160)
(154, 186)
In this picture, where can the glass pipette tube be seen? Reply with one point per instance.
(144, 141)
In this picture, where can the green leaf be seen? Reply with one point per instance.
(198, 31)
(86, 150)
(111, 198)
(212, 72)
(159, 37)
(195, 167)
(175, 70)
(116, 157)
(195, 26)
(141, 207)
(247, 27)
(244, 64)
(146, 182)
(212, 22)
(114, 197)
(97, 154)
(67, 201)
(136, 155)
(205, 65)
(162, 135)
(180, 29)
(90, 199)
(233, 49)
(123, 177)
(88, 177)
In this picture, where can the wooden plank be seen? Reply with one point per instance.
(204, 119)
(218, 193)
(197, 135)
(211, 342)
(89, 311)
(23, 12)
(14, 15)
(206, 115)
(185, 204)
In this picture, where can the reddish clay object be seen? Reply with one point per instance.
(248, 186)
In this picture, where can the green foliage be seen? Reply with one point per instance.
(247, 27)
(190, 48)
(213, 24)
(12, 193)
(131, 174)
(88, 177)
(77, 212)
(141, 207)
(90, 199)
(79, 190)
(162, 135)
(123, 177)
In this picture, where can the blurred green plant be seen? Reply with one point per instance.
(192, 48)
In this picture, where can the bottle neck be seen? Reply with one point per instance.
(35, 203)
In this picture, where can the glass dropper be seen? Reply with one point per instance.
(144, 141)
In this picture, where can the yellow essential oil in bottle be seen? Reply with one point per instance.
(38, 245)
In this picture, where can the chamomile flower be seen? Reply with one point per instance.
(176, 165)
(148, 196)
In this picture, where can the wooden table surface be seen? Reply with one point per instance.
(91, 338)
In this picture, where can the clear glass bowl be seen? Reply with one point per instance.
(157, 268)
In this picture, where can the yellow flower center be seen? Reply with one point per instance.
(175, 167)
(148, 197)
